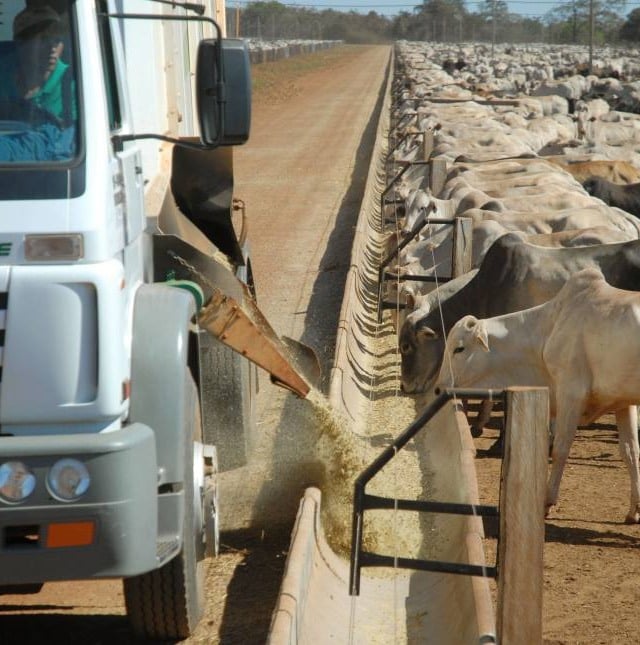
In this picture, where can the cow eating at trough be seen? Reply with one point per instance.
(514, 275)
(584, 345)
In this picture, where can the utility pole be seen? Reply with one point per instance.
(591, 32)
(493, 26)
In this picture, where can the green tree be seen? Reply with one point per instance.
(495, 13)
(490, 9)
(630, 30)
(571, 21)
(440, 19)
(401, 26)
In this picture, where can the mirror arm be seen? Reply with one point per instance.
(189, 6)
(119, 139)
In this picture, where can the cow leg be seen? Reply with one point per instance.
(484, 414)
(627, 420)
(566, 425)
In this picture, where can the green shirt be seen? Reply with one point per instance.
(51, 95)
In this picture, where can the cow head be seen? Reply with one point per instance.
(418, 204)
(421, 349)
(465, 354)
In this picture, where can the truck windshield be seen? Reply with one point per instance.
(38, 100)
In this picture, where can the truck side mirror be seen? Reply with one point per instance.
(224, 104)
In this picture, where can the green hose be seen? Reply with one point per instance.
(192, 287)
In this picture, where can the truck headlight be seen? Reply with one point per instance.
(68, 480)
(47, 248)
(16, 481)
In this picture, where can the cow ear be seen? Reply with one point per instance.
(410, 300)
(402, 189)
(418, 300)
(480, 333)
(477, 330)
(426, 333)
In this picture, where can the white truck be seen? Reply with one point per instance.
(113, 399)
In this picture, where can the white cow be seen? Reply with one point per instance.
(583, 344)
(599, 132)
(421, 203)
(528, 179)
(534, 222)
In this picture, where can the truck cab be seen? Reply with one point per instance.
(117, 220)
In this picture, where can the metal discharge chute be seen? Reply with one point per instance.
(243, 328)
(197, 210)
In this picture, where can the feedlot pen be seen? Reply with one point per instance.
(397, 605)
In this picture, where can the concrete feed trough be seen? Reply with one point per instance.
(394, 605)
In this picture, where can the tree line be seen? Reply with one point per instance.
(570, 22)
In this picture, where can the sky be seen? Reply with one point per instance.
(392, 7)
(529, 8)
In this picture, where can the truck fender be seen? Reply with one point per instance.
(160, 395)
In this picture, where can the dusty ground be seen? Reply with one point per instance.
(591, 564)
(295, 182)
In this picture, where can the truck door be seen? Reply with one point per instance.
(128, 183)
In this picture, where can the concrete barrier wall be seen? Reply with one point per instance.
(404, 606)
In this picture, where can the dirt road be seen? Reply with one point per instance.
(301, 176)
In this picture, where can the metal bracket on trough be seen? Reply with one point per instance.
(392, 183)
(363, 502)
(423, 220)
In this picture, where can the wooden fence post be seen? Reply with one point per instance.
(427, 145)
(523, 483)
(462, 246)
(437, 175)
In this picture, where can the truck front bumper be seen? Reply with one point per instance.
(111, 531)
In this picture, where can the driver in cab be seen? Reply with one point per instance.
(41, 76)
(42, 96)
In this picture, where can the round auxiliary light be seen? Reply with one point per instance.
(17, 482)
(68, 480)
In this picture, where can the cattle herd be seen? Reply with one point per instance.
(542, 163)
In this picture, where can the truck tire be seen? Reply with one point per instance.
(228, 385)
(167, 603)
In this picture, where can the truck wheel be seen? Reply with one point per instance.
(228, 399)
(167, 603)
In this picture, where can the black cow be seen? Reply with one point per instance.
(626, 197)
